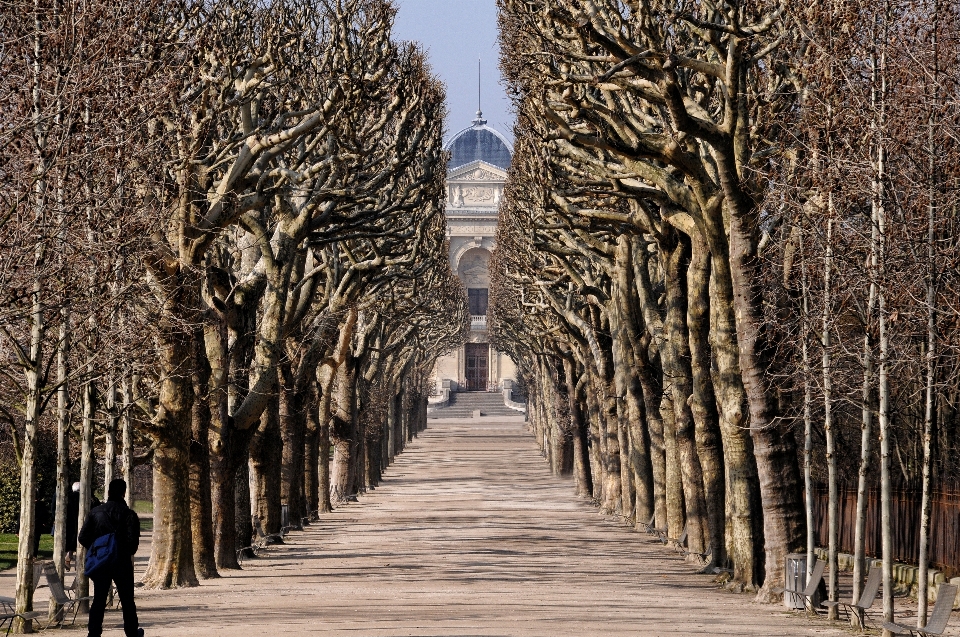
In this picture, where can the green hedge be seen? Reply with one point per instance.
(46, 464)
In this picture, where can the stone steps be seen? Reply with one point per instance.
(464, 404)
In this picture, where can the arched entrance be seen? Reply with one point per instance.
(473, 270)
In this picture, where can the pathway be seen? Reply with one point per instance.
(468, 535)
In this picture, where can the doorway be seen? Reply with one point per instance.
(477, 365)
(477, 300)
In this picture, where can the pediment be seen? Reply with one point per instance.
(478, 171)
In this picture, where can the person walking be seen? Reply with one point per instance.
(41, 524)
(73, 523)
(114, 517)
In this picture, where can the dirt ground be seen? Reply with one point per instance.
(469, 534)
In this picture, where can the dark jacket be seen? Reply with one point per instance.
(113, 517)
(73, 518)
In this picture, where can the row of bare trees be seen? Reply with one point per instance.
(223, 253)
(729, 244)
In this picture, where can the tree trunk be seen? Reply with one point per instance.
(581, 459)
(393, 413)
(866, 428)
(110, 436)
(60, 548)
(627, 340)
(323, 468)
(831, 452)
(87, 463)
(674, 481)
(560, 443)
(127, 435)
(651, 436)
(676, 366)
(930, 399)
(293, 425)
(621, 367)
(171, 558)
(593, 424)
(703, 401)
(609, 443)
(866, 437)
(266, 457)
(774, 449)
(344, 434)
(28, 472)
(201, 505)
(886, 513)
(243, 522)
(171, 561)
(879, 217)
(311, 453)
(808, 420)
(228, 450)
(745, 545)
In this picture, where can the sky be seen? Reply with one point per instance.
(455, 34)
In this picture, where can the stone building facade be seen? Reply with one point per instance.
(479, 159)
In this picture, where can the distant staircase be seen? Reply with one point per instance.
(463, 404)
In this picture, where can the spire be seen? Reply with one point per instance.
(479, 121)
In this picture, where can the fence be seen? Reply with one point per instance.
(905, 519)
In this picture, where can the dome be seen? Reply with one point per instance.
(479, 142)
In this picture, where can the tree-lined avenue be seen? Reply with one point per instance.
(469, 534)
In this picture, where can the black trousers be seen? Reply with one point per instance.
(122, 576)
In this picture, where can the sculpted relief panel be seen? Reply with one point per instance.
(477, 174)
(480, 195)
(485, 230)
(483, 175)
(465, 195)
(474, 268)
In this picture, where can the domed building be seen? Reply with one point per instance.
(476, 173)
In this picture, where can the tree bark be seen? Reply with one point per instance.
(171, 558)
(930, 399)
(807, 419)
(774, 449)
(110, 436)
(743, 503)
(703, 401)
(60, 548)
(28, 472)
(344, 434)
(266, 457)
(581, 459)
(293, 424)
(127, 435)
(228, 451)
(243, 522)
(828, 425)
(323, 468)
(674, 480)
(676, 366)
(311, 453)
(593, 423)
(201, 505)
(87, 463)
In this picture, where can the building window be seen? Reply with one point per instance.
(478, 301)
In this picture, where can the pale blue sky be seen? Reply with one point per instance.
(455, 33)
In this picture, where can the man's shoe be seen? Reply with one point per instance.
(139, 632)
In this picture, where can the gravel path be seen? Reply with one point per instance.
(469, 534)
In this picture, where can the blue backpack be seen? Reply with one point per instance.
(101, 555)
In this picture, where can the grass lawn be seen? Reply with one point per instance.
(8, 541)
(8, 549)
(143, 506)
